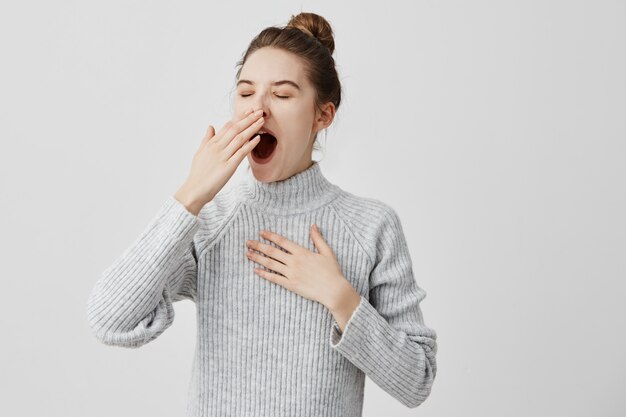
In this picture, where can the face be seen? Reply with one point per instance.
(289, 110)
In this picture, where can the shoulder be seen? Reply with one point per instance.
(372, 221)
(366, 213)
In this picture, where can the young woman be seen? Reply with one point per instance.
(301, 287)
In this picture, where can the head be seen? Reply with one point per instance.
(290, 74)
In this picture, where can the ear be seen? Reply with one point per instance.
(325, 117)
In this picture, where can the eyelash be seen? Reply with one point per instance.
(282, 97)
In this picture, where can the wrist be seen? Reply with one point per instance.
(344, 299)
(191, 201)
(344, 305)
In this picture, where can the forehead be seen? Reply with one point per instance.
(268, 64)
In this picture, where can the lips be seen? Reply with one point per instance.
(265, 129)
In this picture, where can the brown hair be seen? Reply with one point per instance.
(310, 37)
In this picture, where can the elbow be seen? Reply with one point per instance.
(423, 383)
(418, 397)
(419, 394)
(113, 332)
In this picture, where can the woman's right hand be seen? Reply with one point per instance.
(217, 159)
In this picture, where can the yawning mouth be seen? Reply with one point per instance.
(264, 129)
(266, 146)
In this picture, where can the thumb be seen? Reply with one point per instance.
(320, 243)
(210, 132)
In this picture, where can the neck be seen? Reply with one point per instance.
(303, 191)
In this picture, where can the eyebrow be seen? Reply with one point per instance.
(280, 82)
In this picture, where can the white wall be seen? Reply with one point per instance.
(495, 128)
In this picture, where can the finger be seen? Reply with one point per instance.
(282, 241)
(243, 137)
(321, 245)
(239, 126)
(270, 251)
(244, 150)
(231, 122)
(270, 263)
(275, 278)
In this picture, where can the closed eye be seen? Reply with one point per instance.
(247, 95)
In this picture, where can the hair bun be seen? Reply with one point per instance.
(316, 26)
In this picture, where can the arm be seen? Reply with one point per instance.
(131, 303)
(386, 336)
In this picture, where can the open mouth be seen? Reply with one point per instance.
(265, 148)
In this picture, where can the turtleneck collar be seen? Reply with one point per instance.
(303, 191)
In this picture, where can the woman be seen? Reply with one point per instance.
(291, 320)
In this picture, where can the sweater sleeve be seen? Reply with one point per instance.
(386, 336)
(131, 303)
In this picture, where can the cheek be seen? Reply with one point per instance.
(240, 106)
(299, 116)
(240, 112)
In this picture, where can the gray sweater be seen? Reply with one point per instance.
(262, 350)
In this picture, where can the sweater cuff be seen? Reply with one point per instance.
(171, 203)
(356, 331)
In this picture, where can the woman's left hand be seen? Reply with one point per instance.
(315, 276)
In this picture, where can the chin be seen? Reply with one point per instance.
(266, 172)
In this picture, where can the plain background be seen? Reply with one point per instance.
(495, 128)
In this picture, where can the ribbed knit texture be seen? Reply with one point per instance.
(262, 350)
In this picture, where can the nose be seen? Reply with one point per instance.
(260, 104)
(260, 107)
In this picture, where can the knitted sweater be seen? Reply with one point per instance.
(262, 350)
